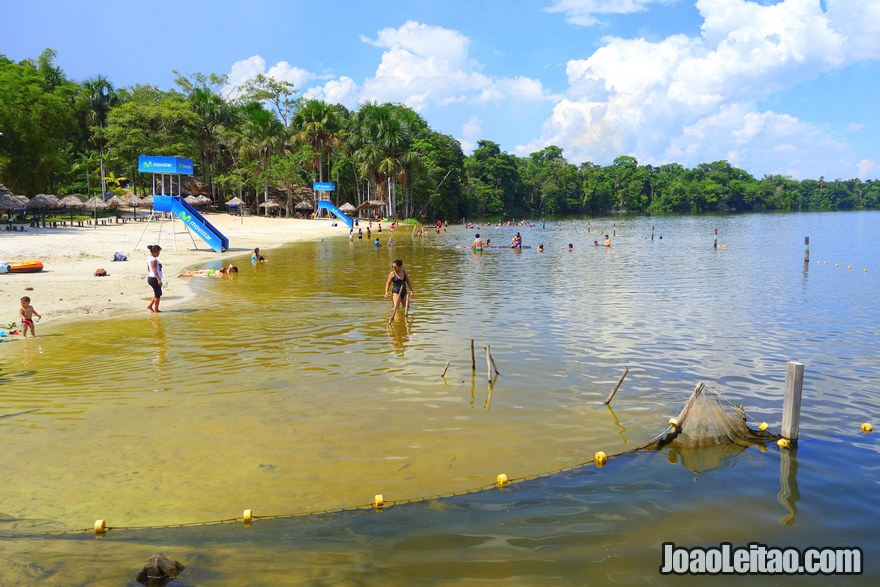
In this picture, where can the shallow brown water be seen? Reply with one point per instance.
(283, 391)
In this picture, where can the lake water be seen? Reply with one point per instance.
(283, 390)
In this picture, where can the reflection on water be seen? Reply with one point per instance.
(288, 392)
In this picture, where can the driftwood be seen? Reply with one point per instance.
(159, 571)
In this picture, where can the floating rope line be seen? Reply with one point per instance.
(672, 431)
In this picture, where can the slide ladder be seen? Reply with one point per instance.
(193, 220)
(328, 205)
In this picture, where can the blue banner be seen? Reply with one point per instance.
(323, 186)
(157, 164)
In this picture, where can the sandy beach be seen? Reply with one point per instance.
(68, 289)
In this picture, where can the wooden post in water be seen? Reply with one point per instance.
(444, 370)
(616, 387)
(806, 250)
(791, 405)
(473, 358)
(715, 240)
(488, 365)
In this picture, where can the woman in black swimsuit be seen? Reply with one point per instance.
(398, 279)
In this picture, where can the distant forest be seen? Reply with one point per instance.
(268, 141)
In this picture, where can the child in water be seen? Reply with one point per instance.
(27, 314)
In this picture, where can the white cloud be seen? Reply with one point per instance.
(336, 91)
(471, 132)
(693, 99)
(868, 167)
(247, 69)
(582, 12)
(425, 66)
(283, 71)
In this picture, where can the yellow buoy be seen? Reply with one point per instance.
(849, 266)
(763, 426)
(501, 481)
(867, 427)
(866, 270)
(673, 423)
(600, 458)
(248, 516)
(837, 264)
(378, 502)
(100, 527)
(783, 443)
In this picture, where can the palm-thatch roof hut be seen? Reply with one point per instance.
(348, 208)
(236, 201)
(9, 202)
(71, 201)
(42, 201)
(95, 203)
(305, 205)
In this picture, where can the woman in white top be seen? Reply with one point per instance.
(154, 276)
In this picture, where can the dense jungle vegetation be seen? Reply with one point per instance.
(263, 139)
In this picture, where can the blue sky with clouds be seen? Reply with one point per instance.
(774, 86)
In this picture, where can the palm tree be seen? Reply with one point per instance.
(214, 114)
(100, 98)
(317, 124)
(382, 141)
(261, 134)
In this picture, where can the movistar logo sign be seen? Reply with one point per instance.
(185, 217)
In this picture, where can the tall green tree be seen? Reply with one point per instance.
(494, 182)
(149, 121)
(37, 119)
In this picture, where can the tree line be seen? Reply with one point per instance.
(57, 133)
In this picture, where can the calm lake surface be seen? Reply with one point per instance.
(282, 390)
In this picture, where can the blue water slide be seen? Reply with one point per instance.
(328, 205)
(193, 220)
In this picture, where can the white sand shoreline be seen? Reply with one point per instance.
(67, 288)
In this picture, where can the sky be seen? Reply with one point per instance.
(786, 87)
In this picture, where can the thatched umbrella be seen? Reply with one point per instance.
(95, 203)
(191, 200)
(270, 205)
(236, 201)
(9, 202)
(205, 200)
(71, 201)
(304, 205)
(147, 200)
(347, 208)
(43, 201)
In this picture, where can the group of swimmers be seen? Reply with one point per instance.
(516, 243)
